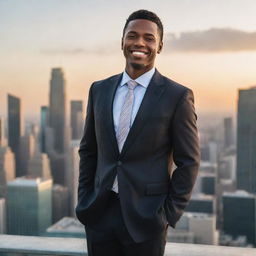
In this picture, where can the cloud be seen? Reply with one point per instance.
(106, 49)
(63, 51)
(212, 40)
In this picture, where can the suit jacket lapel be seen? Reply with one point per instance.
(108, 113)
(154, 91)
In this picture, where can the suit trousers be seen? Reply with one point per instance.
(110, 236)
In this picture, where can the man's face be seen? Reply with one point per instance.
(140, 44)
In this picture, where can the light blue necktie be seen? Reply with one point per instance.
(125, 121)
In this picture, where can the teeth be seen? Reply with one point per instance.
(139, 53)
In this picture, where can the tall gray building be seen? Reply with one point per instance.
(76, 119)
(39, 166)
(60, 202)
(2, 134)
(43, 124)
(228, 132)
(14, 127)
(202, 203)
(7, 168)
(57, 109)
(2, 216)
(239, 215)
(27, 149)
(57, 126)
(29, 206)
(246, 140)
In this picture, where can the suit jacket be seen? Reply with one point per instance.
(164, 131)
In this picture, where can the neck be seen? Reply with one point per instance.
(135, 73)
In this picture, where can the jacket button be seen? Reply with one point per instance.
(119, 163)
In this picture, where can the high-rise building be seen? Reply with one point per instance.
(72, 174)
(201, 225)
(14, 122)
(56, 147)
(60, 203)
(14, 127)
(227, 167)
(39, 166)
(2, 132)
(57, 109)
(2, 216)
(29, 206)
(76, 119)
(239, 215)
(202, 203)
(246, 140)
(208, 182)
(27, 149)
(43, 124)
(7, 168)
(228, 132)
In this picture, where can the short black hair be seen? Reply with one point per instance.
(146, 15)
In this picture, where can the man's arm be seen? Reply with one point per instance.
(186, 156)
(87, 151)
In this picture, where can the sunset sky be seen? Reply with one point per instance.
(209, 46)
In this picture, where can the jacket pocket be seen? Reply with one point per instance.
(156, 188)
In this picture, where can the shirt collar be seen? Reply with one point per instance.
(143, 80)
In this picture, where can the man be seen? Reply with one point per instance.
(137, 124)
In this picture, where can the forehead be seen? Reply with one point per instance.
(142, 26)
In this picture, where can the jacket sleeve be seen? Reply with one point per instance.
(186, 156)
(87, 151)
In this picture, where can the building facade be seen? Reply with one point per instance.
(246, 140)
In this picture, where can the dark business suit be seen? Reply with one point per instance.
(163, 131)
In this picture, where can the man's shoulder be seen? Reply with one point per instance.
(108, 80)
(173, 85)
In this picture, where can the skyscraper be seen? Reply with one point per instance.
(228, 132)
(39, 166)
(14, 122)
(14, 127)
(60, 202)
(2, 135)
(72, 173)
(57, 109)
(27, 149)
(76, 119)
(2, 216)
(29, 206)
(43, 125)
(7, 168)
(239, 215)
(201, 203)
(246, 140)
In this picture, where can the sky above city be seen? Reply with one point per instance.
(209, 46)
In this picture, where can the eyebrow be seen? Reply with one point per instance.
(134, 32)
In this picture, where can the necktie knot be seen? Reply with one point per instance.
(131, 84)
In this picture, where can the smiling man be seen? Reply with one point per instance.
(138, 123)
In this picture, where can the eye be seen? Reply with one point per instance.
(130, 36)
(149, 39)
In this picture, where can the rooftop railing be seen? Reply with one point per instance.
(30, 245)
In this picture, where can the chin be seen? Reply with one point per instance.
(138, 66)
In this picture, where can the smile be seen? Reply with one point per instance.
(139, 53)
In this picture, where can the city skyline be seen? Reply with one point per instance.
(57, 34)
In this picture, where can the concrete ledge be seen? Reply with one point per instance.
(77, 247)
(43, 245)
(180, 249)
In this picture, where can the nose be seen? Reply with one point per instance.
(140, 41)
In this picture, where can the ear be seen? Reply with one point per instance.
(160, 47)
(122, 43)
